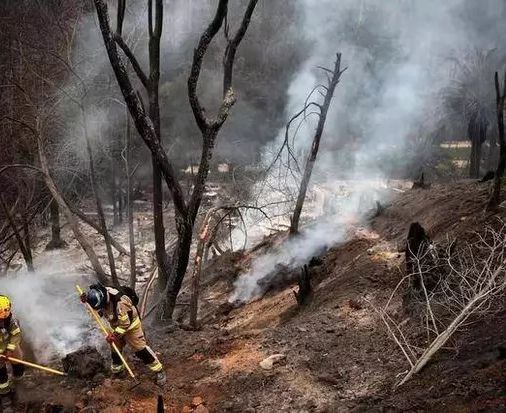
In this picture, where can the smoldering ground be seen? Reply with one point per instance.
(399, 56)
(46, 304)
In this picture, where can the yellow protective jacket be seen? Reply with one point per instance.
(10, 335)
(120, 312)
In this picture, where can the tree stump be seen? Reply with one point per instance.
(417, 243)
(420, 183)
(303, 296)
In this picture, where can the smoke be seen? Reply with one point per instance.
(53, 320)
(399, 56)
(258, 111)
(348, 205)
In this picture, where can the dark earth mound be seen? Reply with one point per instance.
(84, 363)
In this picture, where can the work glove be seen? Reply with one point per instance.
(84, 298)
(112, 338)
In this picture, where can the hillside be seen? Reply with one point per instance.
(337, 355)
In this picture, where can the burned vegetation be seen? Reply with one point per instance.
(252, 206)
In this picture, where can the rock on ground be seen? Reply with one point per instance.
(269, 362)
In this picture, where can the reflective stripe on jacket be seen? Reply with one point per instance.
(126, 317)
(10, 335)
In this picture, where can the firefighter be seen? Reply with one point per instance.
(10, 340)
(118, 306)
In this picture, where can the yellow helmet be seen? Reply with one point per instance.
(5, 307)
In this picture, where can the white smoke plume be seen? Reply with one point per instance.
(53, 320)
(355, 199)
(398, 55)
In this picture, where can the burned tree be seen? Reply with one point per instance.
(322, 110)
(469, 100)
(417, 243)
(495, 197)
(420, 183)
(477, 133)
(305, 290)
(56, 240)
(151, 84)
(147, 124)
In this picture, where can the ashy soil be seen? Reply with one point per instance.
(334, 355)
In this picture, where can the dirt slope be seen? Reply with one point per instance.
(337, 355)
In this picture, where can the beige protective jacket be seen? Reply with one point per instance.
(125, 318)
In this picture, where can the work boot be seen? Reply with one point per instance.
(160, 378)
(118, 371)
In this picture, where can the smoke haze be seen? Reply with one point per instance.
(53, 320)
(399, 56)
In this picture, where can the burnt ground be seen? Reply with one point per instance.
(338, 355)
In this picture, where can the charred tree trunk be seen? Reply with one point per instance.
(477, 131)
(417, 243)
(492, 157)
(56, 240)
(303, 296)
(160, 408)
(179, 264)
(474, 166)
(329, 94)
(184, 214)
(209, 129)
(197, 270)
(495, 197)
(155, 33)
(420, 183)
(26, 233)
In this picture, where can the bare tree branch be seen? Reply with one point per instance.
(133, 60)
(198, 57)
(142, 122)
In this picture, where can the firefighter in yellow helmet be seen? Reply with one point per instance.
(10, 340)
(118, 306)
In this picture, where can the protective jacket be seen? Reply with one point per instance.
(10, 340)
(124, 319)
(10, 335)
(120, 312)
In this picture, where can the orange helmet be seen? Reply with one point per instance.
(5, 307)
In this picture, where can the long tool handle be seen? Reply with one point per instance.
(106, 332)
(36, 366)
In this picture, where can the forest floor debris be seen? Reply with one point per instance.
(84, 363)
(338, 356)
